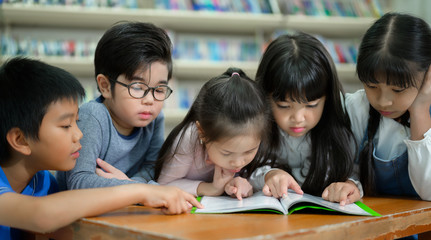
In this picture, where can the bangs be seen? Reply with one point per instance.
(393, 71)
(300, 84)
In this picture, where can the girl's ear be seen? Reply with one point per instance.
(104, 86)
(200, 132)
(18, 141)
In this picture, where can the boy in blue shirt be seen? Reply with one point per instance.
(38, 132)
(124, 127)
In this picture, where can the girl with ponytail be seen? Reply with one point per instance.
(212, 151)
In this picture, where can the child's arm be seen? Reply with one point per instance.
(239, 187)
(342, 192)
(176, 172)
(419, 148)
(217, 186)
(277, 182)
(46, 214)
(420, 120)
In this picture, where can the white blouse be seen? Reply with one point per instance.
(392, 140)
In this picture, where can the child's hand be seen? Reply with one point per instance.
(239, 187)
(109, 171)
(221, 178)
(423, 99)
(171, 199)
(277, 182)
(342, 192)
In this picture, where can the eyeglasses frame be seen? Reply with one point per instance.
(152, 89)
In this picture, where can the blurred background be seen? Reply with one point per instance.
(208, 35)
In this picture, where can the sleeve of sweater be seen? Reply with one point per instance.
(257, 178)
(175, 171)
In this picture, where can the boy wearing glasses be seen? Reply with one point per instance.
(124, 127)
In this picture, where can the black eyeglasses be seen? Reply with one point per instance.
(140, 90)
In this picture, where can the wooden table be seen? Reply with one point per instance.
(400, 217)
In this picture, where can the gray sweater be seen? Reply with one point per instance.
(135, 155)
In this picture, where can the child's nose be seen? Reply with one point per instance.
(384, 100)
(77, 135)
(298, 116)
(148, 99)
(238, 163)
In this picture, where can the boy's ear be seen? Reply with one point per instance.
(18, 141)
(104, 86)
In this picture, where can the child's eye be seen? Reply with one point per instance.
(370, 86)
(312, 105)
(283, 106)
(398, 90)
(225, 154)
(66, 126)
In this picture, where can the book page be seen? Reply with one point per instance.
(226, 204)
(293, 198)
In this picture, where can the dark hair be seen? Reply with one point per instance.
(127, 46)
(396, 46)
(299, 67)
(28, 87)
(226, 106)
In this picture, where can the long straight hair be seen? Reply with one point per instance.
(396, 46)
(226, 106)
(299, 68)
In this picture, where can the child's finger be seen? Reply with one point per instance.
(105, 166)
(282, 191)
(343, 201)
(266, 191)
(295, 187)
(231, 190)
(274, 192)
(102, 173)
(325, 194)
(193, 201)
(238, 194)
(353, 197)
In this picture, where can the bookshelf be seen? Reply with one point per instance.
(252, 25)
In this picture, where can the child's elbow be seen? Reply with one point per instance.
(44, 221)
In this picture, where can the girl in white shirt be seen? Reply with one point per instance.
(391, 116)
(312, 131)
(219, 139)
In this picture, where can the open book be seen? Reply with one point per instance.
(293, 202)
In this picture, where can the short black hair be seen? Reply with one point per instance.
(28, 87)
(128, 46)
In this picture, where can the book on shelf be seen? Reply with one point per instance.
(343, 8)
(245, 6)
(293, 202)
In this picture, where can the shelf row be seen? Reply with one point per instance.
(184, 69)
(181, 20)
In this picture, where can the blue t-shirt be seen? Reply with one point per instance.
(42, 184)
